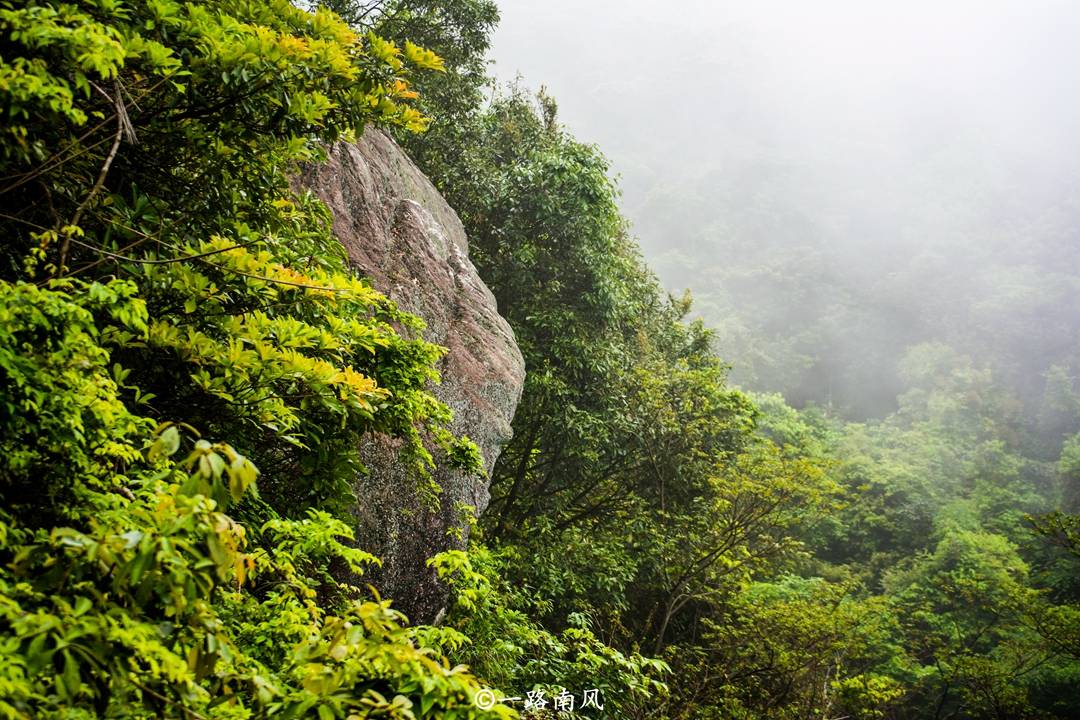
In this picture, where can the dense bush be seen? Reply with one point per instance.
(162, 285)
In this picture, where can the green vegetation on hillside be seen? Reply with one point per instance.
(188, 365)
(188, 368)
(781, 563)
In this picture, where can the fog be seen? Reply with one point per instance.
(836, 181)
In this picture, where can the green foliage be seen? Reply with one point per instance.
(162, 282)
(296, 365)
(64, 426)
(247, 293)
(683, 547)
(634, 502)
(795, 647)
(757, 550)
(491, 627)
(128, 591)
(459, 31)
(963, 610)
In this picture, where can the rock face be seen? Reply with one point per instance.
(400, 232)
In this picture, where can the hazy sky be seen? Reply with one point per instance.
(849, 93)
(844, 177)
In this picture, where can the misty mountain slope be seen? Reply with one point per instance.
(837, 182)
(230, 461)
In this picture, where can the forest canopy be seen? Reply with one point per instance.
(189, 365)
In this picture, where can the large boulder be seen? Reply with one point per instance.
(400, 232)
